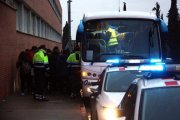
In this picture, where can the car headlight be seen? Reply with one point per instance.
(110, 113)
(89, 90)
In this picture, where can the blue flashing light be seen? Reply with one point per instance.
(155, 60)
(113, 61)
(152, 67)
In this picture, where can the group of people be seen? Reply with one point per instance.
(45, 71)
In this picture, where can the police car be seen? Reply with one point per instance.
(156, 96)
(112, 85)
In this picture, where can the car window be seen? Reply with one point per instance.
(160, 104)
(119, 81)
(128, 102)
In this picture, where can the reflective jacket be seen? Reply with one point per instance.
(113, 37)
(72, 58)
(40, 59)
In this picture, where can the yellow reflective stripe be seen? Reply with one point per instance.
(39, 66)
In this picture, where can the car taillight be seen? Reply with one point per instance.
(171, 83)
(121, 68)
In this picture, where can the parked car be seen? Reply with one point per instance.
(112, 85)
(152, 98)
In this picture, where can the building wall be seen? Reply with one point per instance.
(7, 49)
(59, 5)
(12, 42)
(44, 9)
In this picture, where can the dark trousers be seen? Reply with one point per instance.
(25, 82)
(40, 81)
(75, 80)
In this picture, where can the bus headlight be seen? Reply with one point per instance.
(110, 113)
(84, 74)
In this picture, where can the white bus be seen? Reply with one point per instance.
(140, 37)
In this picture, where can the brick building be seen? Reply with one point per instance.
(24, 23)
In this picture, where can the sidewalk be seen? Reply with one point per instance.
(57, 108)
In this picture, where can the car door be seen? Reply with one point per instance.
(128, 102)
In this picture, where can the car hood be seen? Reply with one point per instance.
(111, 99)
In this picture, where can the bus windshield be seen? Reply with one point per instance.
(122, 38)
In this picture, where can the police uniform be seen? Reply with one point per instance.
(40, 64)
(74, 70)
(113, 42)
(72, 59)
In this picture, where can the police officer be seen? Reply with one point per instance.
(111, 37)
(74, 58)
(74, 70)
(40, 64)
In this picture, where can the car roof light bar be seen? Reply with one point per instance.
(154, 67)
(155, 60)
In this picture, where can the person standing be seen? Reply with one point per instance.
(24, 70)
(58, 71)
(64, 72)
(54, 70)
(40, 64)
(30, 59)
(112, 43)
(74, 70)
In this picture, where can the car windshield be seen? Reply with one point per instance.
(123, 38)
(160, 104)
(119, 81)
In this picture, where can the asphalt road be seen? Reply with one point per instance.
(18, 107)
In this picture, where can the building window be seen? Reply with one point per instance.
(43, 29)
(33, 24)
(26, 21)
(19, 17)
(38, 26)
(30, 23)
